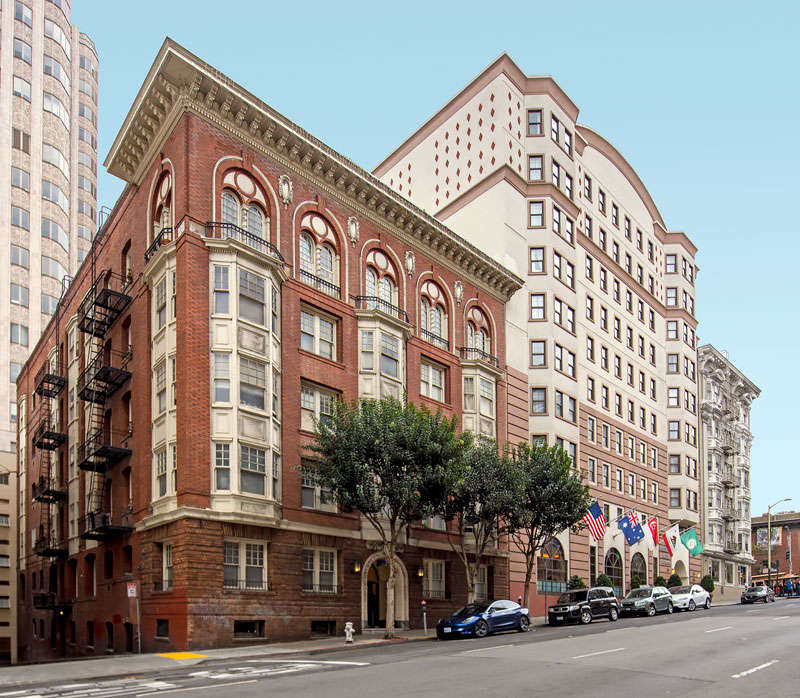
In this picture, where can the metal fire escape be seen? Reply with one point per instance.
(48, 436)
(104, 373)
(729, 478)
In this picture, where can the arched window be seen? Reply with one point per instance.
(639, 568)
(255, 221)
(230, 208)
(478, 332)
(613, 568)
(551, 568)
(370, 282)
(319, 263)
(161, 204)
(387, 290)
(433, 315)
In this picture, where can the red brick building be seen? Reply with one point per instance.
(247, 276)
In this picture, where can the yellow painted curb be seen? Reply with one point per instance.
(182, 655)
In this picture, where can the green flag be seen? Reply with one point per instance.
(692, 542)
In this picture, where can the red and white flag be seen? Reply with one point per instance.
(653, 526)
(672, 539)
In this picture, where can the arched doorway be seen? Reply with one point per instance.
(374, 574)
(613, 568)
(551, 568)
(680, 570)
(638, 568)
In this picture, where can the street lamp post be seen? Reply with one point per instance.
(769, 538)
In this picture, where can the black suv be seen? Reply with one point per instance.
(582, 605)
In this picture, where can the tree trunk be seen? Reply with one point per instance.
(471, 577)
(389, 549)
(528, 574)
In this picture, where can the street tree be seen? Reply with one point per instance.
(391, 462)
(479, 506)
(551, 499)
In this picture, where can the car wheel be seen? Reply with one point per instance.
(708, 604)
(692, 605)
(524, 624)
(651, 610)
(670, 607)
(613, 614)
(586, 616)
(481, 629)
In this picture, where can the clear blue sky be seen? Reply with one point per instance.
(702, 99)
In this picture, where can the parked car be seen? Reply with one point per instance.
(647, 599)
(759, 593)
(484, 617)
(688, 598)
(583, 606)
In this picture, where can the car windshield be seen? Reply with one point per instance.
(680, 590)
(638, 594)
(471, 609)
(750, 590)
(573, 596)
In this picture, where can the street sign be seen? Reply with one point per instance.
(131, 590)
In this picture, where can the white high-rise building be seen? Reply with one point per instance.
(725, 399)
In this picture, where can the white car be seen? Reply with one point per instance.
(689, 598)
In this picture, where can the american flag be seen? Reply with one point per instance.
(595, 520)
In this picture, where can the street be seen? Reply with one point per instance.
(727, 651)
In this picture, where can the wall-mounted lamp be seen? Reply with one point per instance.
(356, 567)
(420, 571)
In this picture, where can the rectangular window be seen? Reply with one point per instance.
(534, 122)
(671, 263)
(20, 140)
(253, 469)
(554, 123)
(319, 571)
(674, 430)
(433, 579)
(221, 290)
(538, 400)
(537, 306)
(161, 472)
(243, 566)
(315, 404)
(535, 214)
(22, 88)
(161, 387)
(432, 381)
(537, 260)
(390, 355)
(313, 496)
(675, 497)
(317, 334)
(252, 297)
(222, 375)
(367, 351)
(601, 200)
(19, 295)
(252, 383)
(20, 178)
(565, 406)
(222, 466)
(22, 13)
(535, 168)
(538, 348)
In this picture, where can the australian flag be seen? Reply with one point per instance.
(630, 526)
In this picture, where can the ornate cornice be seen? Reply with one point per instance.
(179, 82)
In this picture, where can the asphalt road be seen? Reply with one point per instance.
(728, 651)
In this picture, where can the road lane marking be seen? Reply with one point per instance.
(780, 617)
(594, 654)
(481, 649)
(311, 661)
(754, 669)
(716, 630)
(195, 688)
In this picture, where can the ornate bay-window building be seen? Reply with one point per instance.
(238, 288)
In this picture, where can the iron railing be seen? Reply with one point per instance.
(434, 339)
(470, 354)
(246, 584)
(224, 231)
(163, 238)
(320, 284)
(322, 589)
(375, 303)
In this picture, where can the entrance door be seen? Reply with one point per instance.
(373, 604)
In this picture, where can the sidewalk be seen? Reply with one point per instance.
(129, 665)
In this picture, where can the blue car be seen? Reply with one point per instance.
(484, 617)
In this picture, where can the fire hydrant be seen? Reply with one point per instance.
(348, 632)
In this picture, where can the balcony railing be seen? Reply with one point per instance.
(47, 434)
(104, 303)
(48, 490)
(163, 238)
(470, 354)
(434, 339)
(49, 379)
(225, 231)
(320, 284)
(47, 546)
(247, 584)
(375, 303)
(103, 376)
(103, 525)
(49, 601)
(102, 449)
(322, 589)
